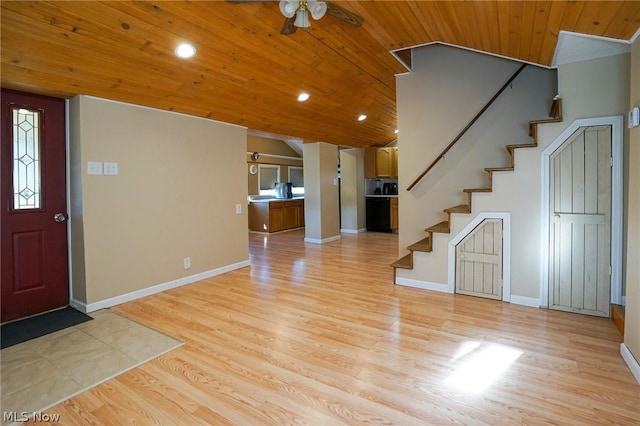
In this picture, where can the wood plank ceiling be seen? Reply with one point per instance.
(248, 74)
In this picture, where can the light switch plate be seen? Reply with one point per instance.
(238, 208)
(634, 117)
(110, 168)
(94, 168)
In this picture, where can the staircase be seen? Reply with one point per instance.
(426, 244)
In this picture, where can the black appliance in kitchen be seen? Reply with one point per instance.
(390, 189)
(378, 190)
(378, 214)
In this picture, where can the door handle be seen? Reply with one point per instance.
(59, 217)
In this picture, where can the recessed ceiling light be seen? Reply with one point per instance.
(303, 97)
(362, 117)
(185, 51)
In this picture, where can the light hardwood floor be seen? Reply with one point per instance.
(318, 334)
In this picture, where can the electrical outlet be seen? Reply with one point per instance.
(238, 208)
(187, 262)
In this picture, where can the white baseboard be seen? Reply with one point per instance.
(323, 241)
(526, 301)
(443, 288)
(631, 361)
(353, 231)
(148, 291)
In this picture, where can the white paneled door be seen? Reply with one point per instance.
(479, 261)
(580, 229)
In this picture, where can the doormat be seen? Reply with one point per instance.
(40, 325)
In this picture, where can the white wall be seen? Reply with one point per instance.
(179, 181)
(632, 314)
(322, 223)
(594, 88)
(446, 89)
(352, 190)
(589, 89)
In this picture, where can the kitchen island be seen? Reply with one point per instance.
(275, 215)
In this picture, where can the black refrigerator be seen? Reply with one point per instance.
(379, 214)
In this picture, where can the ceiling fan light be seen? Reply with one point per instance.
(288, 7)
(302, 19)
(317, 8)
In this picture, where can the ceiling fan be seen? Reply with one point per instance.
(296, 13)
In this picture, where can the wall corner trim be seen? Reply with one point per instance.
(630, 360)
(425, 285)
(323, 241)
(525, 301)
(148, 291)
(353, 231)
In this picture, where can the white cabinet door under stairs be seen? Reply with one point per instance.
(479, 261)
(580, 228)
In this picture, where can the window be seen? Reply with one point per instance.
(268, 175)
(296, 177)
(26, 159)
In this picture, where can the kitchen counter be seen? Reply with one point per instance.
(383, 196)
(273, 200)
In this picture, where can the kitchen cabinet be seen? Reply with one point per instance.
(276, 215)
(293, 214)
(381, 162)
(394, 214)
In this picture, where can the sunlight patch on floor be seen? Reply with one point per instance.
(479, 365)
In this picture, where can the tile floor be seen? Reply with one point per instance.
(43, 372)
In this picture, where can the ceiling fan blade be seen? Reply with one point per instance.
(344, 15)
(288, 28)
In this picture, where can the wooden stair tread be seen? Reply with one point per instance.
(426, 244)
(442, 227)
(546, 120)
(405, 262)
(422, 245)
(522, 145)
(462, 208)
(500, 169)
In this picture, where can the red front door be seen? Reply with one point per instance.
(33, 248)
